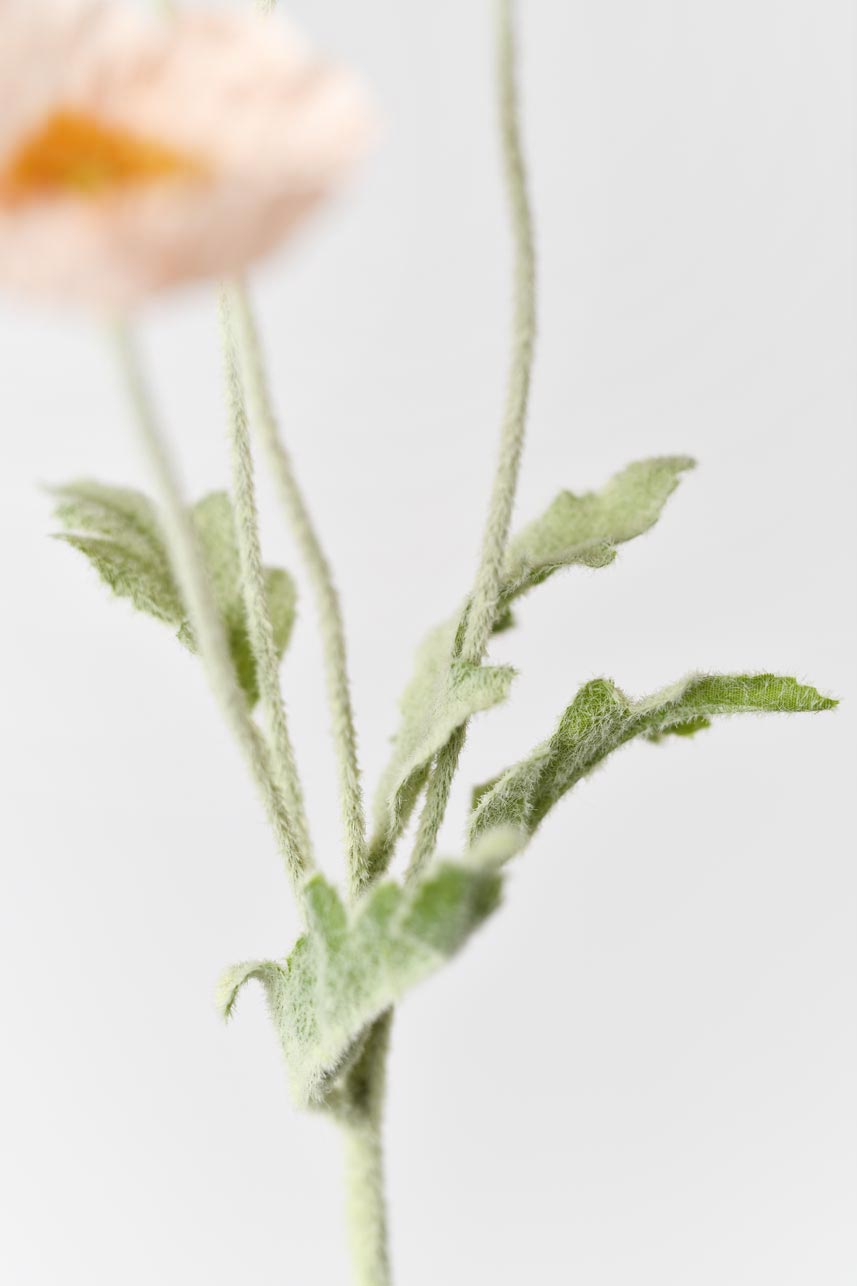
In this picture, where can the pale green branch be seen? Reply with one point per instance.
(207, 625)
(264, 421)
(259, 626)
(362, 1124)
(482, 605)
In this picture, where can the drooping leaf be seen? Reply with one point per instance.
(601, 718)
(354, 963)
(116, 513)
(120, 533)
(442, 695)
(586, 529)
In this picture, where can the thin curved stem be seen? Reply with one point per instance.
(486, 591)
(483, 602)
(205, 619)
(264, 421)
(259, 625)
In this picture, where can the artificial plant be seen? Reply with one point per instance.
(199, 568)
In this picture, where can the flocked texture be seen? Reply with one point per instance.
(584, 530)
(444, 693)
(601, 718)
(353, 963)
(120, 533)
(258, 130)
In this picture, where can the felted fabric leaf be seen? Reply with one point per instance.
(443, 694)
(586, 529)
(352, 964)
(601, 718)
(575, 530)
(118, 530)
(215, 527)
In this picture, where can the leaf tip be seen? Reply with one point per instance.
(226, 993)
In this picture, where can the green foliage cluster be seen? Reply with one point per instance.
(353, 962)
(200, 570)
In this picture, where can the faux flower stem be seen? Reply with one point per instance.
(482, 605)
(486, 591)
(259, 625)
(264, 421)
(206, 622)
(367, 1217)
(437, 797)
(364, 1163)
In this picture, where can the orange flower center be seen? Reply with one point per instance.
(73, 152)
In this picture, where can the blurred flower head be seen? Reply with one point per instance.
(137, 153)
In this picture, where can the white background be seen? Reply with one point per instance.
(643, 1070)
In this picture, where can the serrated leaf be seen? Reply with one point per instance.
(354, 963)
(601, 718)
(443, 694)
(118, 530)
(586, 529)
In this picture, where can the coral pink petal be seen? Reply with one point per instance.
(274, 132)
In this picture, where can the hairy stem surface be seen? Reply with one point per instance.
(264, 422)
(207, 626)
(259, 625)
(482, 604)
(364, 1162)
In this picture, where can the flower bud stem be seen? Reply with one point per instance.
(482, 604)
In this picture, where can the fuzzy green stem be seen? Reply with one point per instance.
(260, 629)
(483, 602)
(437, 797)
(489, 578)
(264, 421)
(207, 625)
(364, 1161)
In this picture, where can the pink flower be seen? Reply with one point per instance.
(136, 153)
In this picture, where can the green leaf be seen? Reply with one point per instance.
(586, 529)
(116, 513)
(582, 530)
(281, 593)
(215, 527)
(443, 694)
(601, 718)
(354, 963)
(118, 530)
